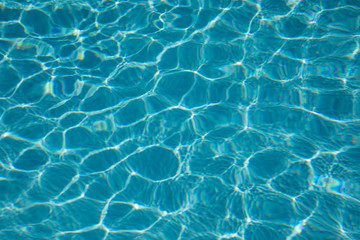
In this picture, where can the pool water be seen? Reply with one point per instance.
(180, 119)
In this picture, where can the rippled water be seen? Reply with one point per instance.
(180, 119)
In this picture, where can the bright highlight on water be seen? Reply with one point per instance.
(180, 119)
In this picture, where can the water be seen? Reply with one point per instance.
(180, 119)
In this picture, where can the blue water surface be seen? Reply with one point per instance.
(180, 119)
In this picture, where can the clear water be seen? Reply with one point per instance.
(180, 119)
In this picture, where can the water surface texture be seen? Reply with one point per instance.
(180, 119)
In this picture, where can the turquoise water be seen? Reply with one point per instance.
(180, 119)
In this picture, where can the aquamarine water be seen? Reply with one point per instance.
(180, 119)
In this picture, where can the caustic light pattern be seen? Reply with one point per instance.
(180, 119)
